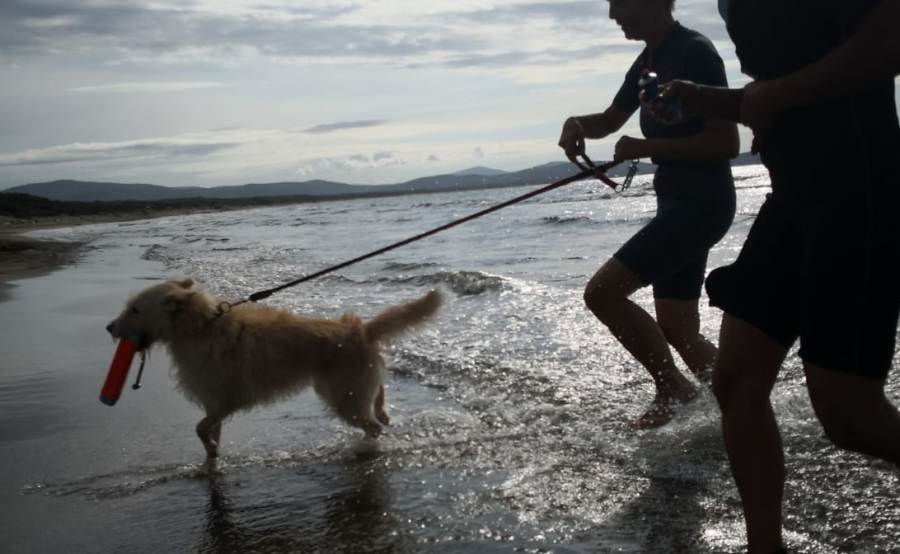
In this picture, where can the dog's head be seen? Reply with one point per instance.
(161, 312)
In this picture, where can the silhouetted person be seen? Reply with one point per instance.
(695, 206)
(821, 261)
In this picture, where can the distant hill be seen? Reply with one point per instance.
(480, 170)
(468, 179)
(87, 191)
(26, 206)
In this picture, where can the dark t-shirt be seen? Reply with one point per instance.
(683, 54)
(808, 146)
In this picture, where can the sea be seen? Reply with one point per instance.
(510, 411)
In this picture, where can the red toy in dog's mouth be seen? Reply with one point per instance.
(118, 369)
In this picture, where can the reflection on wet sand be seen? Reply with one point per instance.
(352, 513)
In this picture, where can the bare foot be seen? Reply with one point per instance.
(704, 375)
(663, 409)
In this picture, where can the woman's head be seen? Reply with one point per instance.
(639, 18)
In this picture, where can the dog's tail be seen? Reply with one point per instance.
(397, 319)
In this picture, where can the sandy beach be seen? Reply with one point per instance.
(22, 257)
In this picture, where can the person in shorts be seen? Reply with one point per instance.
(695, 206)
(820, 264)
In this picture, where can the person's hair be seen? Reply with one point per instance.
(671, 4)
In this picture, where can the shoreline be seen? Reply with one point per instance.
(23, 257)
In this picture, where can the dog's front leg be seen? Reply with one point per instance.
(210, 431)
(380, 412)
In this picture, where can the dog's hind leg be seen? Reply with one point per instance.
(359, 413)
(210, 430)
(380, 413)
(372, 429)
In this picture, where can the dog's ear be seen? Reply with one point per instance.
(185, 283)
(176, 300)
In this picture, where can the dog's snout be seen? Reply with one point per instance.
(111, 327)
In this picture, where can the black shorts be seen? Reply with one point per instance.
(825, 270)
(670, 252)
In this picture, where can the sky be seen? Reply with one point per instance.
(225, 92)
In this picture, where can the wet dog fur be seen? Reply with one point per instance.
(255, 354)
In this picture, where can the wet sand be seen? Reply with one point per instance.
(23, 257)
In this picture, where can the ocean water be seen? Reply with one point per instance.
(510, 412)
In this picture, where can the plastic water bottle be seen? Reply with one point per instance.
(118, 370)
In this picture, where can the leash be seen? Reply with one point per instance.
(137, 382)
(588, 169)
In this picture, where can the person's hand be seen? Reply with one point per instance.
(571, 140)
(629, 148)
(759, 106)
(760, 103)
(675, 100)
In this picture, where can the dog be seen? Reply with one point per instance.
(232, 360)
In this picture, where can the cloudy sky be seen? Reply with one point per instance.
(218, 92)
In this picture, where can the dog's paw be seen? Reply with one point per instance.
(373, 430)
(383, 418)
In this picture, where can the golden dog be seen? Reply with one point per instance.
(227, 361)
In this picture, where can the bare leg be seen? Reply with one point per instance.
(854, 412)
(209, 430)
(607, 297)
(680, 322)
(380, 413)
(745, 373)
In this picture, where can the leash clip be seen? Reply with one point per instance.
(632, 171)
(223, 308)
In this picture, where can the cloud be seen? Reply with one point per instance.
(551, 57)
(570, 14)
(499, 74)
(349, 163)
(120, 151)
(340, 126)
(401, 33)
(54, 27)
(167, 86)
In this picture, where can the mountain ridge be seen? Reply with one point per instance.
(467, 179)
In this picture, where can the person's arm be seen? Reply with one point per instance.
(578, 128)
(600, 125)
(719, 141)
(870, 54)
(699, 100)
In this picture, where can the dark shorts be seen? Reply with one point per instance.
(670, 252)
(824, 270)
